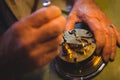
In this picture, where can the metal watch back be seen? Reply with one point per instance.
(77, 59)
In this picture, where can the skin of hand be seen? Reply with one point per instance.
(105, 33)
(33, 41)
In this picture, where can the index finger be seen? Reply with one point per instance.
(43, 16)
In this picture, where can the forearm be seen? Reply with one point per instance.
(11, 59)
(7, 61)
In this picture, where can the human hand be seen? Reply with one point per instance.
(33, 41)
(106, 34)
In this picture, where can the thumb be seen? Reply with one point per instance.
(72, 19)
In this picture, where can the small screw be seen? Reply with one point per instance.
(73, 32)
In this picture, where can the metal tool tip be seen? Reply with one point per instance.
(46, 3)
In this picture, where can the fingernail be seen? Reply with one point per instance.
(118, 44)
(98, 51)
(106, 57)
(112, 57)
(111, 60)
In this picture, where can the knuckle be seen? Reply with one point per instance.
(55, 9)
(100, 43)
(49, 11)
(57, 28)
(57, 41)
